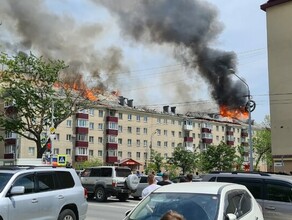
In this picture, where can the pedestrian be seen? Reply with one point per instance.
(151, 185)
(138, 173)
(172, 215)
(165, 179)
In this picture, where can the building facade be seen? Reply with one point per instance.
(115, 132)
(278, 14)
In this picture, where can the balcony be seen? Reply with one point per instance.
(244, 133)
(112, 119)
(112, 132)
(111, 159)
(82, 115)
(81, 158)
(81, 143)
(112, 146)
(188, 139)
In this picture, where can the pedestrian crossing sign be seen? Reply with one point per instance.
(62, 160)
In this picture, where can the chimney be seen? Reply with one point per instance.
(130, 102)
(121, 100)
(165, 109)
(172, 109)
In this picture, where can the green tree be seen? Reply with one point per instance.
(219, 157)
(184, 159)
(38, 97)
(239, 159)
(156, 161)
(88, 163)
(262, 143)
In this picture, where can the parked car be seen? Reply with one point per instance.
(179, 179)
(199, 201)
(30, 192)
(272, 191)
(142, 185)
(104, 181)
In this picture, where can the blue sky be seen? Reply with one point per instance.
(149, 73)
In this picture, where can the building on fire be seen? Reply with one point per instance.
(118, 133)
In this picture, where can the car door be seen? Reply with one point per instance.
(89, 177)
(278, 200)
(24, 206)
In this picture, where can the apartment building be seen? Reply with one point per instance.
(278, 15)
(118, 133)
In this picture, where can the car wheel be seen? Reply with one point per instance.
(123, 197)
(100, 194)
(90, 196)
(67, 214)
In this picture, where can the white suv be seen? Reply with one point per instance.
(41, 193)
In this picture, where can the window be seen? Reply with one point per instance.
(145, 130)
(217, 128)
(120, 129)
(111, 153)
(165, 132)
(172, 133)
(91, 139)
(223, 128)
(172, 144)
(138, 131)
(56, 151)
(99, 153)
(28, 182)
(121, 116)
(129, 154)
(129, 130)
(82, 137)
(173, 122)
(100, 113)
(82, 123)
(158, 132)
(81, 150)
(138, 143)
(158, 143)
(69, 123)
(165, 121)
(100, 126)
(129, 142)
(120, 154)
(179, 134)
(120, 141)
(99, 140)
(138, 117)
(145, 143)
(138, 155)
(57, 136)
(68, 137)
(113, 125)
(90, 153)
(238, 203)
(129, 117)
(91, 125)
(165, 144)
(111, 139)
(280, 192)
(31, 151)
(145, 119)
(91, 112)
(68, 151)
(46, 182)
(158, 120)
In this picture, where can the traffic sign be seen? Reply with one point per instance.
(52, 130)
(62, 160)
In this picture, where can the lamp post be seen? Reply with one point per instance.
(249, 121)
(150, 147)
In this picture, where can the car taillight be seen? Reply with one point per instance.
(85, 193)
(114, 183)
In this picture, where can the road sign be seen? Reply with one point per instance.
(62, 160)
(52, 130)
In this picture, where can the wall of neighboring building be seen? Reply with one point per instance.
(279, 31)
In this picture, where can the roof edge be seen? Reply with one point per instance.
(272, 3)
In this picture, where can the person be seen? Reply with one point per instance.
(151, 185)
(172, 215)
(138, 173)
(189, 177)
(165, 179)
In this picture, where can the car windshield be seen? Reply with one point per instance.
(4, 178)
(122, 172)
(192, 206)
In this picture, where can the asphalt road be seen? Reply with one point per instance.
(113, 209)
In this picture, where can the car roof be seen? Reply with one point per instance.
(197, 187)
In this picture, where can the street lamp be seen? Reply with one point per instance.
(249, 120)
(150, 147)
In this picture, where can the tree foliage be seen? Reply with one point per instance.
(221, 157)
(262, 143)
(184, 159)
(36, 95)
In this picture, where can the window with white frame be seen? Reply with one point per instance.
(145, 156)
(120, 141)
(111, 153)
(99, 153)
(145, 130)
(120, 154)
(165, 144)
(145, 143)
(82, 123)
(8, 135)
(129, 142)
(68, 151)
(91, 139)
(100, 126)
(158, 143)
(111, 139)
(138, 142)
(91, 125)
(68, 137)
(165, 121)
(129, 130)
(158, 120)
(69, 123)
(112, 125)
(138, 117)
(99, 140)
(31, 151)
(138, 131)
(138, 155)
(129, 154)
(57, 137)
(81, 150)
(120, 116)
(82, 137)
(120, 129)
(158, 132)
(100, 113)
(90, 153)
(91, 112)
(145, 119)
(129, 117)
(9, 149)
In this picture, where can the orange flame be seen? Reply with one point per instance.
(239, 113)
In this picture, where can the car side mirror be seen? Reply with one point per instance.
(17, 190)
(231, 216)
